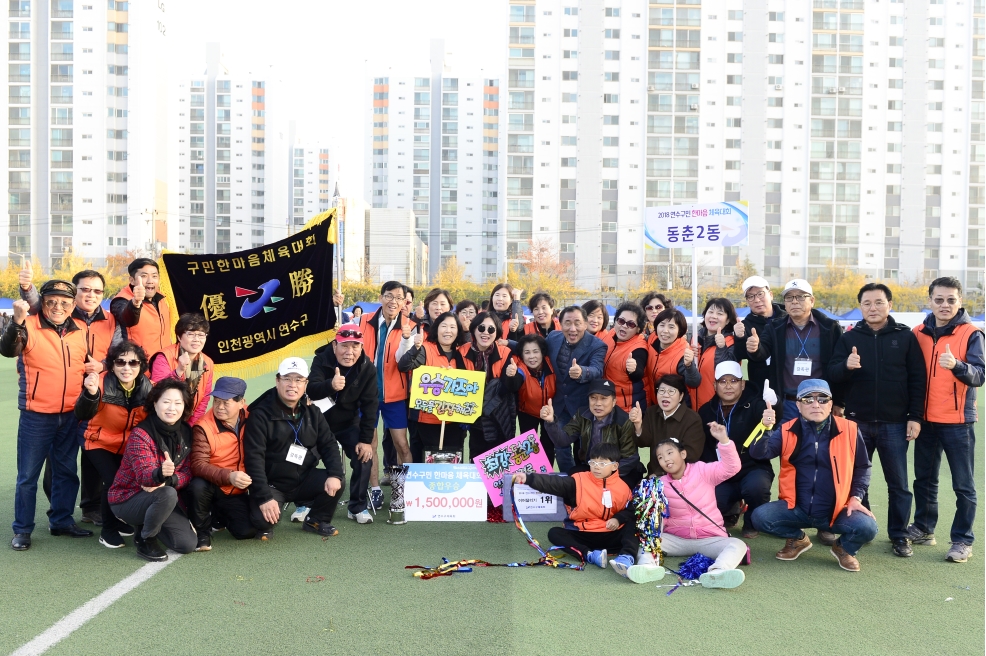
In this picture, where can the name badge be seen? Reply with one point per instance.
(607, 499)
(802, 367)
(296, 454)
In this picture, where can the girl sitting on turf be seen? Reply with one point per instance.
(694, 524)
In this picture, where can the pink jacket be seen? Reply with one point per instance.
(160, 369)
(698, 485)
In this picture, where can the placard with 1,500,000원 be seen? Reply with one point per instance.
(449, 394)
(444, 493)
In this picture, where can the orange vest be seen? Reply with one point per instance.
(707, 367)
(53, 367)
(110, 428)
(153, 331)
(944, 402)
(395, 385)
(615, 368)
(532, 327)
(660, 364)
(589, 514)
(225, 447)
(99, 334)
(532, 395)
(434, 359)
(205, 380)
(842, 451)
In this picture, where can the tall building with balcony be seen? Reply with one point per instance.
(433, 147)
(830, 118)
(87, 148)
(233, 173)
(313, 178)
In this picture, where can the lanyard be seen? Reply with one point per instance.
(804, 342)
(726, 419)
(301, 422)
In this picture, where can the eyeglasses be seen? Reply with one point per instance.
(90, 290)
(656, 308)
(294, 380)
(601, 463)
(729, 381)
(486, 328)
(759, 296)
(797, 299)
(350, 333)
(629, 324)
(667, 391)
(820, 400)
(943, 301)
(198, 336)
(390, 298)
(120, 362)
(52, 303)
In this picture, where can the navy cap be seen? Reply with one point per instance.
(58, 288)
(602, 386)
(228, 387)
(815, 385)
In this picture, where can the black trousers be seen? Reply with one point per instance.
(414, 441)
(622, 541)
(106, 464)
(752, 487)
(530, 422)
(430, 434)
(206, 500)
(90, 486)
(360, 480)
(311, 492)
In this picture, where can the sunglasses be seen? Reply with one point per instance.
(51, 303)
(820, 400)
(350, 333)
(629, 324)
(486, 328)
(654, 307)
(120, 362)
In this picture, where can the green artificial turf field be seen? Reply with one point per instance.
(250, 597)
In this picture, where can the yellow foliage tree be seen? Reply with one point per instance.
(544, 271)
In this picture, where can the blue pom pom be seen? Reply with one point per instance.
(694, 567)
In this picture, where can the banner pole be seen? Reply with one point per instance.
(441, 438)
(695, 295)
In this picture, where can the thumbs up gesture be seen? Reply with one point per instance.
(514, 325)
(636, 415)
(753, 341)
(720, 338)
(739, 330)
(769, 418)
(184, 360)
(26, 275)
(167, 467)
(92, 366)
(419, 340)
(511, 369)
(946, 360)
(688, 355)
(139, 291)
(419, 312)
(338, 381)
(852, 362)
(406, 329)
(631, 365)
(91, 383)
(575, 371)
(548, 412)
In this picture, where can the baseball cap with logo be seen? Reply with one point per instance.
(293, 366)
(755, 281)
(58, 288)
(602, 386)
(798, 284)
(349, 332)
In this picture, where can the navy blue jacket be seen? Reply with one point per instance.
(570, 395)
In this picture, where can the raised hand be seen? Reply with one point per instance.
(337, 298)
(167, 467)
(688, 356)
(769, 417)
(514, 325)
(511, 369)
(93, 366)
(636, 415)
(91, 383)
(184, 361)
(406, 329)
(720, 338)
(718, 431)
(753, 341)
(946, 360)
(338, 381)
(20, 311)
(575, 371)
(631, 365)
(419, 312)
(26, 275)
(852, 362)
(139, 291)
(548, 412)
(419, 340)
(739, 330)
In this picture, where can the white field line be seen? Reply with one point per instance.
(74, 620)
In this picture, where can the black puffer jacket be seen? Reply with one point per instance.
(757, 371)
(356, 403)
(269, 435)
(499, 420)
(745, 416)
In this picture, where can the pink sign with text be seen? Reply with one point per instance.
(522, 453)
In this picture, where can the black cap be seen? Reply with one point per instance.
(58, 288)
(602, 386)
(228, 387)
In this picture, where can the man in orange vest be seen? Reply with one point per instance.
(50, 350)
(141, 309)
(824, 475)
(217, 494)
(953, 357)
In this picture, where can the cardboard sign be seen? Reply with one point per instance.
(449, 394)
(533, 506)
(444, 493)
(523, 453)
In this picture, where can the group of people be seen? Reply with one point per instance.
(161, 465)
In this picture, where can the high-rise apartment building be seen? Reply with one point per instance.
(311, 181)
(433, 147)
(233, 163)
(87, 117)
(852, 128)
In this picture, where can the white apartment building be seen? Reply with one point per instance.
(393, 247)
(312, 178)
(88, 153)
(432, 146)
(233, 162)
(853, 129)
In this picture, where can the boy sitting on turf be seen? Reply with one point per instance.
(600, 519)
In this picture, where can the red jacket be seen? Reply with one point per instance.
(141, 461)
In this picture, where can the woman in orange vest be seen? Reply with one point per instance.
(542, 306)
(654, 304)
(538, 386)
(439, 349)
(505, 304)
(597, 316)
(672, 353)
(186, 361)
(110, 405)
(715, 339)
(627, 357)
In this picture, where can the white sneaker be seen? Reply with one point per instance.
(299, 514)
(363, 517)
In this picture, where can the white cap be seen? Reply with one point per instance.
(755, 281)
(729, 368)
(293, 366)
(798, 284)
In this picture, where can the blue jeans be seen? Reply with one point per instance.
(958, 441)
(565, 459)
(890, 441)
(775, 518)
(41, 435)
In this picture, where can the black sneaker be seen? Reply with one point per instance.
(94, 517)
(902, 547)
(126, 530)
(111, 539)
(150, 549)
(918, 536)
(204, 542)
(320, 528)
